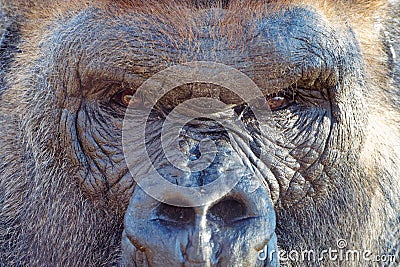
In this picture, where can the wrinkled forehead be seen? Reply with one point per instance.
(273, 42)
(181, 12)
(195, 24)
(270, 41)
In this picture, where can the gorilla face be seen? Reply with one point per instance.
(186, 130)
(296, 80)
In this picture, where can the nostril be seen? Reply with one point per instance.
(228, 211)
(173, 215)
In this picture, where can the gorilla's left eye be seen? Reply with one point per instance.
(281, 100)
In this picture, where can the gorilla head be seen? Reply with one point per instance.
(198, 133)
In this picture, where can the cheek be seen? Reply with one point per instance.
(299, 165)
(92, 139)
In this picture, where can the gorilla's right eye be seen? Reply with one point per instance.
(123, 98)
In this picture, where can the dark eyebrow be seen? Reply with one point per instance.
(93, 77)
(107, 72)
(112, 73)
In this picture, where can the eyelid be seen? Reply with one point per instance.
(287, 97)
(282, 93)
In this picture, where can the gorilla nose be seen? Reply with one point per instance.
(226, 211)
(208, 235)
(204, 247)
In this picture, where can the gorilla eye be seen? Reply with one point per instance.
(123, 97)
(281, 100)
(126, 97)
